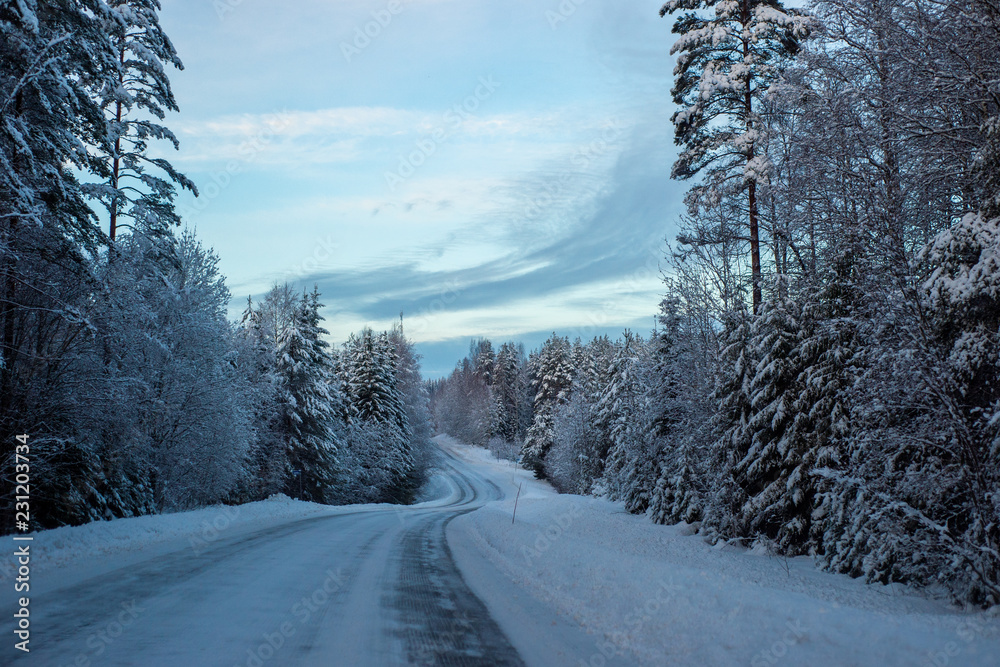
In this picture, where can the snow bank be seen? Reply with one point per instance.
(659, 595)
(196, 529)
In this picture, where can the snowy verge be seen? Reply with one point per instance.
(195, 529)
(660, 595)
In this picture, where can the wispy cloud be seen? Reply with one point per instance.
(607, 246)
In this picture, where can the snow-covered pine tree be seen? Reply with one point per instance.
(602, 351)
(679, 409)
(798, 420)
(416, 405)
(574, 461)
(621, 417)
(764, 458)
(307, 419)
(133, 197)
(508, 393)
(552, 381)
(374, 398)
(963, 297)
(52, 57)
(483, 360)
(732, 395)
(729, 56)
(267, 459)
(370, 367)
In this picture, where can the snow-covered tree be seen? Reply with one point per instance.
(509, 393)
(375, 398)
(52, 57)
(133, 197)
(621, 416)
(416, 405)
(306, 403)
(552, 382)
(729, 56)
(680, 407)
(575, 460)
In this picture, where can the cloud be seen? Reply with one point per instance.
(346, 134)
(607, 247)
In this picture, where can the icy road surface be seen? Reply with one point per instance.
(371, 585)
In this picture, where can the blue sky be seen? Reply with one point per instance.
(494, 168)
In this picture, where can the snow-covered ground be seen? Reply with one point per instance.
(659, 595)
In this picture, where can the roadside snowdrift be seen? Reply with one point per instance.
(196, 529)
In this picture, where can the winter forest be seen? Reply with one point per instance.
(117, 355)
(824, 377)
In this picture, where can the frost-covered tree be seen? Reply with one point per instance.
(730, 53)
(375, 398)
(306, 403)
(369, 365)
(267, 459)
(509, 393)
(486, 401)
(462, 406)
(416, 405)
(133, 197)
(574, 461)
(483, 359)
(52, 57)
(621, 416)
(552, 382)
(943, 510)
(683, 352)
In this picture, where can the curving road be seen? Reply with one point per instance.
(375, 586)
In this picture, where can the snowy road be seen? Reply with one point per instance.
(375, 586)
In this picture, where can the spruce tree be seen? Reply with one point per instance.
(552, 382)
(620, 415)
(307, 418)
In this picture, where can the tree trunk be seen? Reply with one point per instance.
(116, 160)
(752, 185)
